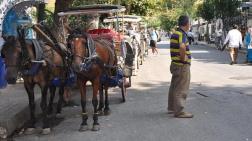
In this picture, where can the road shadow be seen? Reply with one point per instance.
(147, 107)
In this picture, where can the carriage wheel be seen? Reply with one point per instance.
(137, 62)
(129, 81)
(147, 52)
(123, 89)
(143, 56)
(141, 61)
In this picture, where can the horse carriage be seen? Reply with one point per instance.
(123, 67)
(133, 36)
(98, 55)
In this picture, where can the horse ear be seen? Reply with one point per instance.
(11, 39)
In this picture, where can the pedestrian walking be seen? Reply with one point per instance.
(247, 43)
(153, 41)
(180, 69)
(234, 42)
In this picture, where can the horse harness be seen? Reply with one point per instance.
(91, 57)
(29, 66)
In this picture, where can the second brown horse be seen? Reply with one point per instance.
(91, 59)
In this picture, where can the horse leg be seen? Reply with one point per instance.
(60, 101)
(46, 129)
(30, 91)
(106, 109)
(52, 95)
(101, 100)
(95, 84)
(82, 86)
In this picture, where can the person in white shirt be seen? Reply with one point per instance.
(234, 41)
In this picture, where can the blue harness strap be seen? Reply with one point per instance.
(33, 70)
(70, 80)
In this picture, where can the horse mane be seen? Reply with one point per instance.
(10, 41)
(21, 36)
(78, 33)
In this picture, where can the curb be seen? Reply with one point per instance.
(12, 118)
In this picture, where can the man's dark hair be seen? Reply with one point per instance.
(183, 20)
(235, 26)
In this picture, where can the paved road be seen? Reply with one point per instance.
(220, 98)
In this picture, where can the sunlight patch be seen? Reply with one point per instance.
(199, 51)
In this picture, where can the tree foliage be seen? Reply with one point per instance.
(206, 10)
(172, 9)
(158, 13)
(226, 8)
(140, 7)
(219, 9)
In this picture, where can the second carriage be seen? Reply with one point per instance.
(125, 55)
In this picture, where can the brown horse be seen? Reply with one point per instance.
(91, 59)
(19, 55)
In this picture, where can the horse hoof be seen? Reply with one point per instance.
(59, 115)
(49, 115)
(83, 128)
(30, 131)
(107, 112)
(100, 113)
(96, 128)
(46, 131)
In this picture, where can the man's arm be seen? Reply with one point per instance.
(182, 51)
(227, 39)
(182, 47)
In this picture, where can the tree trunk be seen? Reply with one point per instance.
(61, 5)
(41, 12)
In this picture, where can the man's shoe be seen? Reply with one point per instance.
(184, 115)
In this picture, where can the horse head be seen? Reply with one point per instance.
(11, 51)
(78, 44)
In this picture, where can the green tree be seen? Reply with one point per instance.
(206, 10)
(61, 5)
(226, 8)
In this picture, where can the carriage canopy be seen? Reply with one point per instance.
(93, 9)
(125, 18)
(15, 6)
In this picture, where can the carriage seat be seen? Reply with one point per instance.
(106, 34)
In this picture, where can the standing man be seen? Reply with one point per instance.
(234, 41)
(180, 69)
